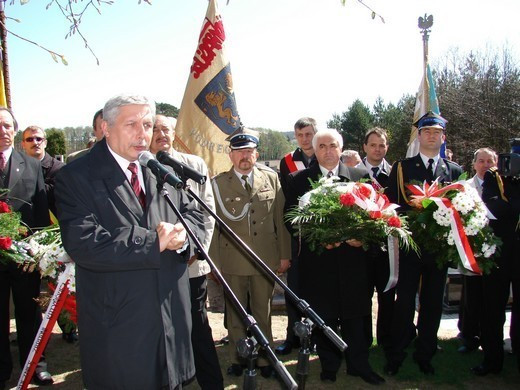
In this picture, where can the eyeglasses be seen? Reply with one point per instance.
(32, 139)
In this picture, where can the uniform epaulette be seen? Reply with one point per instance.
(263, 167)
(500, 183)
(219, 175)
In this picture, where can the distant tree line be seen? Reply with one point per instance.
(479, 95)
(71, 139)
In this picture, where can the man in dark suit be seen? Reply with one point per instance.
(131, 256)
(22, 175)
(34, 144)
(375, 146)
(335, 282)
(502, 196)
(425, 166)
(298, 159)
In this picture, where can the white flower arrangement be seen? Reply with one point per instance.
(457, 216)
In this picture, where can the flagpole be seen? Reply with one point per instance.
(5, 62)
(425, 25)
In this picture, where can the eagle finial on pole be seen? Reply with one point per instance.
(425, 25)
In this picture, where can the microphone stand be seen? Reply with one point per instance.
(312, 319)
(248, 347)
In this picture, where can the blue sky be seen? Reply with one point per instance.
(289, 58)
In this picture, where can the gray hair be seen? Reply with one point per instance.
(111, 109)
(485, 150)
(331, 132)
(348, 153)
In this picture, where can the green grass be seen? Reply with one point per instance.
(452, 371)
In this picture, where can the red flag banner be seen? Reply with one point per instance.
(208, 113)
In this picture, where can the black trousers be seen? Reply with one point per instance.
(208, 373)
(25, 287)
(356, 355)
(433, 280)
(496, 287)
(378, 274)
(470, 314)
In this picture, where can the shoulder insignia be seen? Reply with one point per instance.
(263, 167)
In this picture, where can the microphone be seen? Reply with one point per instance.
(147, 158)
(180, 168)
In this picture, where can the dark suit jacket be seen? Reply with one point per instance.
(27, 196)
(383, 174)
(335, 282)
(285, 171)
(50, 167)
(414, 170)
(133, 301)
(27, 190)
(505, 225)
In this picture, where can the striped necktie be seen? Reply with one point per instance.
(136, 186)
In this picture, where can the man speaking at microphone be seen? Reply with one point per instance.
(131, 256)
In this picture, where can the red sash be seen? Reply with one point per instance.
(293, 165)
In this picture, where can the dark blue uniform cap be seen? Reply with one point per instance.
(247, 139)
(430, 119)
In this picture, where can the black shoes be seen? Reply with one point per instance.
(466, 349)
(483, 370)
(425, 367)
(369, 377)
(285, 348)
(70, 337)
(235, 370)
(223, 341)
(43, 378)
(392, 368)
(328, 376)
(238, 370)
(266, 371)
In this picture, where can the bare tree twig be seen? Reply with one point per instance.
(374, 13)
(53, 54)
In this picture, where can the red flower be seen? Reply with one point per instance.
(375, 214)
(394, 221)
(365, 191)
(4, 207)
(5, 243)
(347, 199)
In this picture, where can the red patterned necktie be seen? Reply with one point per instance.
(2, 161)
(136, 186)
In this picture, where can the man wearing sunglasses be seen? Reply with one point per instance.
(34, 144)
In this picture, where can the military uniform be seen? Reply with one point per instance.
(257, 218)
(413, 269)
